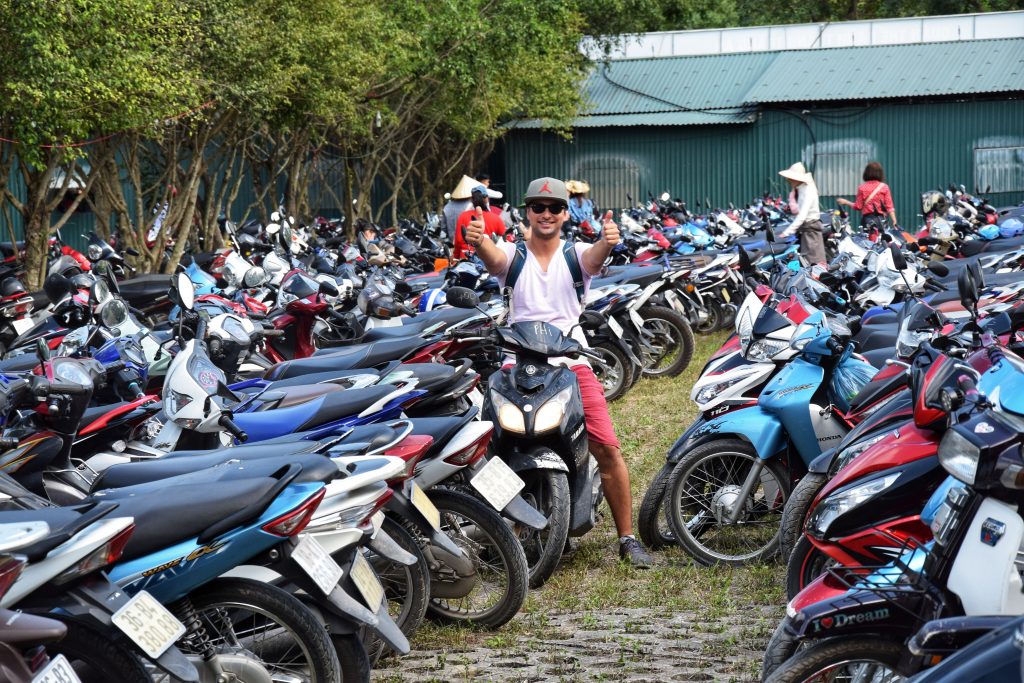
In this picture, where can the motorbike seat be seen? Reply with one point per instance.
(435, 377)
(358, 356)
(145, 288)
(877, 357)
(876, 389)
(286, 397)
(441, 428)
(416, 326)
(344, 404)
(972, 247)
(182, 510)
(7, 247)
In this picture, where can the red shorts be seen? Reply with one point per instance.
(595, 408)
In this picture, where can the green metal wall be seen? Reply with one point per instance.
(922, 146)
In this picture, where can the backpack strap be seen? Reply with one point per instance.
(572, 260)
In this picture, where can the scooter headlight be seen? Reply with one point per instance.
(550, 415)
(847, 455)
(509, 415)
(842, 502)
(766, 349)
(959, 457)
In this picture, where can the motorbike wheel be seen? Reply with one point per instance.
(795, 512)
(275, 628)
(703, 488)
(615, 372)
(97, 656)
(805, 565)
(874, 660)
(407, 587)
(780, 649)
(652, 523)
(548, 491)
(713, 320)
(501, 571)
(672, 347)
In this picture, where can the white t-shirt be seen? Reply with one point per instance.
(548, 296)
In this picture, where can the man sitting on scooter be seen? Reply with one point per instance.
(545, 291)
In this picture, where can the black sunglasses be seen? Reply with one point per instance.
(539, 208)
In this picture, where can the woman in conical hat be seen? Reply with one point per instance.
(807, 222)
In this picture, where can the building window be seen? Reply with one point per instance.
(999, 169)
(838, 165)
(612, 180)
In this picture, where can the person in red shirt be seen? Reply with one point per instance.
(493, 225)
(874, 199)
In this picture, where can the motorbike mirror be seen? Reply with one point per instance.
(402, 287)
(99, 292)
(186, 291)
(967, 289)
(938, 268)
(462, 297)
(131, 251)
(978, 275)
(591, 320)
(744, 260)
(769, 234)
(42, 350)
(898, 260)
(328, 288)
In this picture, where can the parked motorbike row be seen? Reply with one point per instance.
(863, 422)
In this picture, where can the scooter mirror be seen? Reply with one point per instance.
(769, 234)
(966, 289)
(186, 291)
(462, 297)
(131, 251)
(328, 288)
(939, 269)
(42, 350)
(744, 259)
(978, 275)
(898, 260)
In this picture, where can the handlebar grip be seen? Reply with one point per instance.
(227, 423)
(67, 388)
(7, 444)
(273, 333)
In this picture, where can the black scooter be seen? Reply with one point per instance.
(539, 431)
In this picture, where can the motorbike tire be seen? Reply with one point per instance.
(780, 649)
(837, 652)
(652, 524)
(682, 342)
(471, 523)
(795, 512)
(354, 659)
(548, 491)
(806, 563)
(97, 656)
(697, 481)
(271, 603)
(407, 588)
(712, 322)
(615, 373)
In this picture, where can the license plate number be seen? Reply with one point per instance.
(317, 563)
(57, 671)
(615, 326)
(725, 295)
(148, 624)
(367, 582)
(497, 483)
(22, 325)
(425, 506)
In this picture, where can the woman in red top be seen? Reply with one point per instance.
(874, 200)
(493, 225)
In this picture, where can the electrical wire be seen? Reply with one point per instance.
(714, 111)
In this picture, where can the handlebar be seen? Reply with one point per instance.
(227, 423)
(7, 444)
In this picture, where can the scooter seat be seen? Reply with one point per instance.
(358, 356)
(204, 467)
(876, 389)
(145, 288)
(181, 510)
(7, 248)
(344, 404)
(877, 357)
(286, 397)
(441, 428)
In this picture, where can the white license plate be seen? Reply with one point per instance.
(316, 562)
(57, 671)
(497, 483)
(148, 624)
(615, 326)
(367, 582)
(425, 506)
(22, 325)
(725, 295)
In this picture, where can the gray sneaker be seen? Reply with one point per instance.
(631, 550)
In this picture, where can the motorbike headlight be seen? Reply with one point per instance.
(765, 349)
(114, 314)
(72, 373)
(908, 341)
(842, 502)
(551, 413)
(847, 455)
(254, 277)
(509, 415)
(94, 252)
(959, 457)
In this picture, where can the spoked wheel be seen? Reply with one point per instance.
(704, 494)
(501, 570)
(614, 372)
(669, 349)
(98, 656)
(652, 522)
(548, 492)
(844, 661)
(266, 627)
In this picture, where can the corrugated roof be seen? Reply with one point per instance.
(660, 118)
(885, 71)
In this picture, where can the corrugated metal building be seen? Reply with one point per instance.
(720, 126)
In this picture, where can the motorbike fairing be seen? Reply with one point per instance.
(786, 398)
(763, 430)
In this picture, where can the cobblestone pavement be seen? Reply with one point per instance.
(619, 645)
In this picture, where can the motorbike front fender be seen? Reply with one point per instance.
(762, 429)
(540, 459)
(519, 510)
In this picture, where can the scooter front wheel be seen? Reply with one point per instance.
(705, 510)
(548, 491)
(652, 522)
(841, 659)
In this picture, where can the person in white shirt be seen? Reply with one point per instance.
(807, 222)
